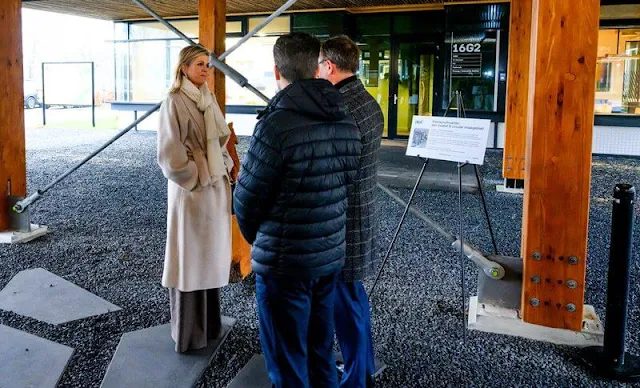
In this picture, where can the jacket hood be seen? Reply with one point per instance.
(315, 98)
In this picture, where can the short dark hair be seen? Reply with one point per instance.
(296, 56)
(343, 52)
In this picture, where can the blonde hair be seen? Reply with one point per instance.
(187, 56)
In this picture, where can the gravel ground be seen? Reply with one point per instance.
(107, 235)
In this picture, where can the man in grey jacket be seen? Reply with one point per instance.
(338, 63)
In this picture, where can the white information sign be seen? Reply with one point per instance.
(449, 138)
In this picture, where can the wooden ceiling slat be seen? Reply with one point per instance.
(125, 9)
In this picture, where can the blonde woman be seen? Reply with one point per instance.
(192, 153)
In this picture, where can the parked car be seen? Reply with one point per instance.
(32, 95)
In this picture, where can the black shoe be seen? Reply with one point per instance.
(371, 383)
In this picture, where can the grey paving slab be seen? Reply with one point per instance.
(146, 358)
(395, 169)
(254, 374)
(41, 295)
(27, 360)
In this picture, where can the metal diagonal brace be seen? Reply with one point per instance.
(257, 28)
(21, 206)
(490, 268)
(226, 69)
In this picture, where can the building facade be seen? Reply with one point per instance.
(412, 63)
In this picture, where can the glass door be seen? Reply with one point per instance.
(375, 72)
(411, 90)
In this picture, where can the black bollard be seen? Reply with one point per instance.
(611, 360)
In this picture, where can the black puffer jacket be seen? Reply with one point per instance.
(291, 196)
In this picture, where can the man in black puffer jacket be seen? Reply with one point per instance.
(291, 204)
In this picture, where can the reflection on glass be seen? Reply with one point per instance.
(151, 68)
(631, 89)
(145, 69)
(415, 85)
(375, 73)
(618, 72)
(254, 60)
(122, 71)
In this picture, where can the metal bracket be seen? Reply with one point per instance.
(490, 268)
(18, 221)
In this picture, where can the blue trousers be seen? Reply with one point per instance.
(353, 329)
(296, 330)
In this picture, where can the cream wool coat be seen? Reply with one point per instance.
(198, 249)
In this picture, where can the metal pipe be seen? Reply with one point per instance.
(397, 233)
(44, 104)
(461, 239)
(228, 71)
(235, 76)
(24, 204)
(257, 28)
(618, 282)
(486, 211)
(213, 60)
(93, 94)
(258, 93)
(164, 22)
(448, 236)
(611, 360)
(21, 206)
(490, 268)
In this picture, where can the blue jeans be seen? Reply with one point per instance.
(296, 330)
(353, 329)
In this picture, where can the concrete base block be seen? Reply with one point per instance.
(491, 319)
(12, 237)
(504, 189)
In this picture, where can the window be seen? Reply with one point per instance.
(278, 26)
(234, 27)
(152, 64)
(191, 28)
(146, 63)
(254, 60)
(471, 69)
(320, 24)
(603, 74)
(618, 72)
(374, 72)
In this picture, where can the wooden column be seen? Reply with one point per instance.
(558, 161)
(513, 164)
(12, 143)
(213, 27)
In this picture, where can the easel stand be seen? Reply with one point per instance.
(461, 113)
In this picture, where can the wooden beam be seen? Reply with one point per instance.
(213, 25)
(12, 142)
(513, 163)
(558, 161)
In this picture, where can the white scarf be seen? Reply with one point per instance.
(217, 130)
